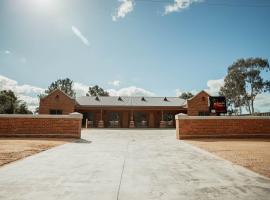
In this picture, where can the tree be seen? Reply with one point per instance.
(234, 90)
(22, 109)
(97, 91)
(245, 81)
(252, 69)
(65, 85)
(186, 95)
(9, 104)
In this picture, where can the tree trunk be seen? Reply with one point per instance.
(248, 107)
(240, 110)
(252, 106)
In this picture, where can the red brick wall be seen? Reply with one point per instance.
(64, 126)
(57, 100)
(199, 103)
(229, 127)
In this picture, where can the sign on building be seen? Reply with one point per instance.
(218, 104)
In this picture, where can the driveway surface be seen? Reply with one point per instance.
(129, 165)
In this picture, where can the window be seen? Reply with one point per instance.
(56, 112)
(168, 116)
(114, 116)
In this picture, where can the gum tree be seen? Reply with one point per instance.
(234, 90)
(245, 80)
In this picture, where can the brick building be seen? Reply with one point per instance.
(125, 112)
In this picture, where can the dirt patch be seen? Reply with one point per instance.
(15, 149)
(250, 153)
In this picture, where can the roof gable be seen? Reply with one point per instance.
(57, 91)
(198, 94)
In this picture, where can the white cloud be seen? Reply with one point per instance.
(130, 91)
(125, 7)
(179, 5)
(262, 103)
(78, 33)
(115, 83)
(80, 89)
(7, 52)
(9, 84)
(178, 92)
(214, 86)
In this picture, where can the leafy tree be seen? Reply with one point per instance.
(22, 109)
(255, 84)
(65, 85)
(97, 91)
(234, 90)
(186, 95)
(9, 104)
(245, 82)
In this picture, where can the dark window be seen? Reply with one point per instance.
(203, 113)
(167, 116)
(113, 116)
(140, 119)
(56, 112)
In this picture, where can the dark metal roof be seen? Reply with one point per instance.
(115, 101)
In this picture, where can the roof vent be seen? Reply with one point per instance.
(120, 99)
(165, 99)
(97, 98)
(143, 99)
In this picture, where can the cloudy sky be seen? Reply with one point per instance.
(129, 47)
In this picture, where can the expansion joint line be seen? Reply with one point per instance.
(123, 168)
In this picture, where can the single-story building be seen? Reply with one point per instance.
(123, 111)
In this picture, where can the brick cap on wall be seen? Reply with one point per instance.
(182, 116)
(74, 115)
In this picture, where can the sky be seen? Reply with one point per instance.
(129, 47)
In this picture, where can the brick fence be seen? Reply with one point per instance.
(64, 126)
(222, 126)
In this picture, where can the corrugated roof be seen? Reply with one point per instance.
(115, 101)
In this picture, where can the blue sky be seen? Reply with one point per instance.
(156, 48)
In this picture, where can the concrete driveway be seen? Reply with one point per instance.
(127, 165)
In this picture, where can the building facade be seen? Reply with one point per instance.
(125, 112)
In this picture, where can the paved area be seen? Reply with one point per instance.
(129, 165)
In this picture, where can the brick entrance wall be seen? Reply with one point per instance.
(60, 126)
(219, 126)
(57, 100)
(198, 103)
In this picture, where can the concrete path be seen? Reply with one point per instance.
(129, 165)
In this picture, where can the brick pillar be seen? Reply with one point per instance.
(177, 129)
(162, 123)
(131, 122)
(101, 122)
